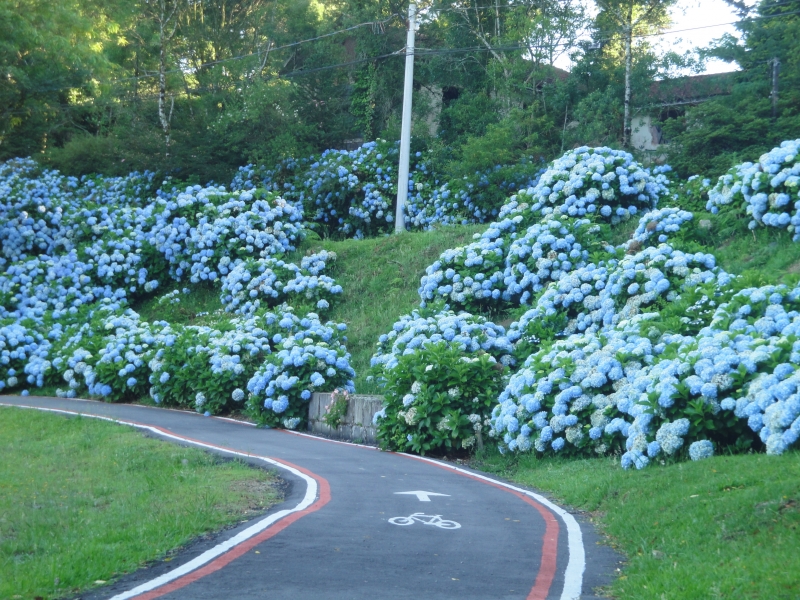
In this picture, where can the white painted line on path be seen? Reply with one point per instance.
(330, 441)
(573, 575)
(209, 555)
(576, 565)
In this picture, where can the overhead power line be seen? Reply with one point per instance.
(418, 52)
(271, 49)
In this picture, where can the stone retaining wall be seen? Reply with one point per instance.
(357, 423)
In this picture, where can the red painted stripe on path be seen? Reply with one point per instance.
(547, 566)
(246, 546)
(240, 549)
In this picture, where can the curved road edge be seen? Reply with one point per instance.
(573, 574)
(317, 495)
(576, 575)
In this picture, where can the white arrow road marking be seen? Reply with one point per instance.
(423, 496)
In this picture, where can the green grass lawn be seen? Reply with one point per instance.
(725, 527)
(82, 501)
(380, 278)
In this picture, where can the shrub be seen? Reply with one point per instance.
(733, 385)
(102, 242)
(467, 333)
(265, 282)
(307, 357)
(768, 190)
(545, 231)
(438, 399)
(352, 193)
(559, 400)
(601, 296)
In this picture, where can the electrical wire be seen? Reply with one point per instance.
(505, 6)
(420, 52)
(269, 49)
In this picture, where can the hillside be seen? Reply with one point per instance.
(603, 318)
(242, 299)
(380, 276)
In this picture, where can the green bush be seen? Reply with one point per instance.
(438, 400)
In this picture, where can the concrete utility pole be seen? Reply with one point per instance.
(405, 130)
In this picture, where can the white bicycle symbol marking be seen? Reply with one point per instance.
(435, 520)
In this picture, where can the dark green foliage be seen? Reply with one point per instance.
(450, 398)
(713, 136)
(237, 91)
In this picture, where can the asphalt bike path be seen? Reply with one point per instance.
(359, 523)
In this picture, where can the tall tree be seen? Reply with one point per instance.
(51, 56)
(166, 15)
(519, 36)
(761, 107)
(624, 19)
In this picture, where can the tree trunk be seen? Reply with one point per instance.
(162, 85)
(626, 134)
(136, 81)
(164, 38)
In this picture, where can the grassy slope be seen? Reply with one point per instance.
(83, 500)
(380, 278)
(764, 255)
(727, 527)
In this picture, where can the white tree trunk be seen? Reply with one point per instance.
(162, 90)
(164, 38)
(626, 133)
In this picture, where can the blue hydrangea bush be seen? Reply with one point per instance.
(352, 193)
(546, 252)
(467, 333)
(559, 400)
(202, 230)
(41, 210)
(594, 298)
(544, 232)
(469, 277)
(433, 366)
(645, 350)
(731, 385)
(266, 282)
(307, 356)
(201, 368)
(603, 183)
(476, 198)
(99, 244)
(23, 354)
(345, 192)
(429, 206)
(768, 191)
(657, 227)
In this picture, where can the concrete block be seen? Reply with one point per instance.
(357, 423)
